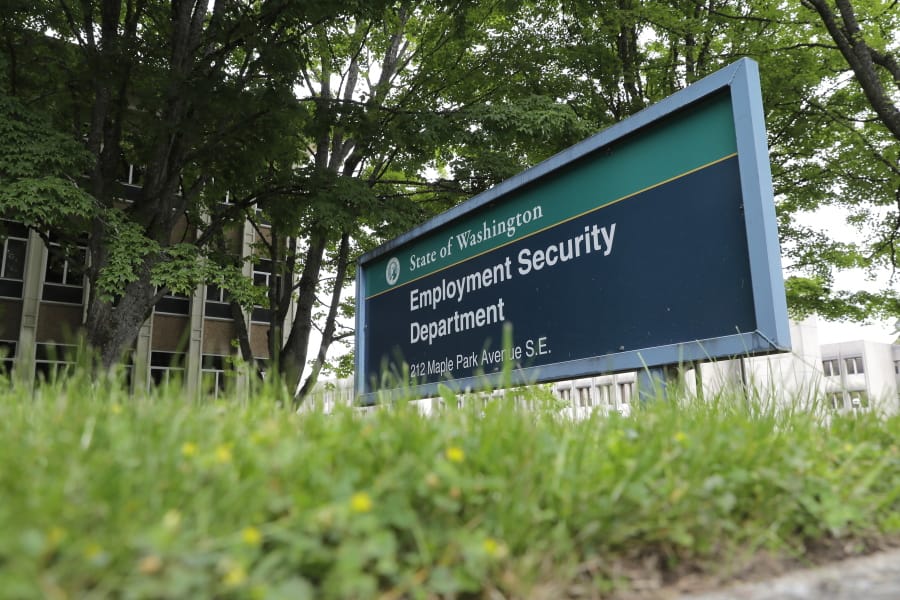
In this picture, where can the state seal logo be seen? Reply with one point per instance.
(392, 273)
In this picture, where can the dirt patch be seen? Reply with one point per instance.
(653, 577)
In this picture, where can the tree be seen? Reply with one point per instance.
(826, 81)
(388, 99)
(347, 123)
(868, 54)
(574, 67)
(834, 145)
(190, 90)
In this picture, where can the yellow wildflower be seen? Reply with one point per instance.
(361, 502)
(223, 454)
(455, 454)
(490, 546)
(494, 548)
(188, 449)
(680, 437)
(93, 550)
(115, 408)
(235, 576)
(251, 536)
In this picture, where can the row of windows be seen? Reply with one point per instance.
(53, 360)
(855, 400)
(63, 274)
(587, 396)
(131, 176)
(216, 371)
(64, 281)
(64, 278)
(852, 366)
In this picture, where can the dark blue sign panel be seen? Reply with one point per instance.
(614, 255)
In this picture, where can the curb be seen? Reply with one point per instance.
(875, 577)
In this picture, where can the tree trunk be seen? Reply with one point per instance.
(862, 60)
(243, 334)
(113, 328)
(331, 320)
(293, 355)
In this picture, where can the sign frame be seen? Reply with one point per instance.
(772, 333)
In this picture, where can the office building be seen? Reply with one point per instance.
(43, 296)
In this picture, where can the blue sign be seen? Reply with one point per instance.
(651, 243)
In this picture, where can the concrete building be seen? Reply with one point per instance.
(846, 377)
(862, 375)
(849, 376)
(43, 303)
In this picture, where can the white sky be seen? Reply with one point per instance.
(830, 333)
(832, 220)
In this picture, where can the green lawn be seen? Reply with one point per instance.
(103, 496)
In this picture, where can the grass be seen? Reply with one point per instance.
(103, 495)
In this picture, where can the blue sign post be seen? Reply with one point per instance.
(650, 244)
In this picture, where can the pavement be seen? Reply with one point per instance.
(875, 577)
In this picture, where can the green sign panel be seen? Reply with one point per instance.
(704, 135)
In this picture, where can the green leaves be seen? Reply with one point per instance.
(815, 295)
(183, 268)
(39, 168)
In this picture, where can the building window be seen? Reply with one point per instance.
(565, 394)
(831, 367)
(262, 277)
(859, 399)
(218, 303)
(214, 371)
(625, 392)
(53, 360)
(12, 263)
(7, 355)
(64, 275)
(584, 397)
(166, 367)
(173, 304)
(261, 217)
(606, 395)
(854, 365)
(836, 400)
(897, 367)
(262, 272)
